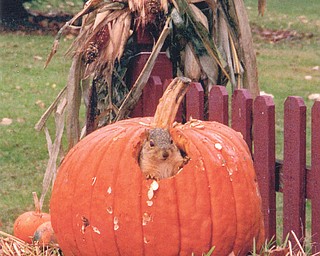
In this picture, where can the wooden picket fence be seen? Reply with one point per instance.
(255, 119)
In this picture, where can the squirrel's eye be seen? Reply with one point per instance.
(171, 141)
(151, 143)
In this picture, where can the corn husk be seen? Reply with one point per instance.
(192, 67)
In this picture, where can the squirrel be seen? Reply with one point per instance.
(160, 157)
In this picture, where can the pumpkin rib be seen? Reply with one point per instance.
(70, 162)
(195, 137)
(115, 178)
(93, 140)
(178, 210)
(162, 232)
(109, 185)
(201, 214)
(255, 210)
(246, 184)
(124, 187)
(79, 222)
(249, 185)
(214, 138)
(182, 134)
(92, 199)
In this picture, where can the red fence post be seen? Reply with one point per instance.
(242, 114)
(314, 186)
(149, 99)
(264, 159)
(151, 94)
(162, 69)
(294, 167)
(195, 102)
(218, 105)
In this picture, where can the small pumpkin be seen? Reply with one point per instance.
(27, 223)
(44, 235)
(102, 204)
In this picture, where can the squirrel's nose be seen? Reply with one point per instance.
(165, 154)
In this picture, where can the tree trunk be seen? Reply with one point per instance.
(12, 12)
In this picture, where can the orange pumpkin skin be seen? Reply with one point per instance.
(27, 223)
(100, 203)
(44, 235)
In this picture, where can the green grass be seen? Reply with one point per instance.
(23, 82)
(23, 153)
(284, 65)
(55, 6)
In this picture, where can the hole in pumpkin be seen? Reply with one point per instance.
(159, 157)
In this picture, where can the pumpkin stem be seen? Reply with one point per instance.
(169, 103)
(36, 202)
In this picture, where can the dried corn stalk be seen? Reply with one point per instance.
(103, 48)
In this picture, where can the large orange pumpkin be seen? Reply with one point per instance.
(102, 204)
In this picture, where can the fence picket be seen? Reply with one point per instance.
(264, 159)
(315, 176)
(294, 166)
(218, 105)
(151, 95)
(242, 114)
(195, 102)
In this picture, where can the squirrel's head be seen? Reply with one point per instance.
(160, 142)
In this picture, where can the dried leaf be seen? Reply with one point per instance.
(314, 96)
(52, 52)
(37, 57)
(6, 121)
(54, 150)
(125, 35)
(191, 64)
(192, 67)
(40, 103)
(202, 33)
(100, 17)
(74, 101)
(246, 54)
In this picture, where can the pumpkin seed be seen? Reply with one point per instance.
(150, 193)
(96, 230)
(218, 146)
(149, 203)
(154, 185)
